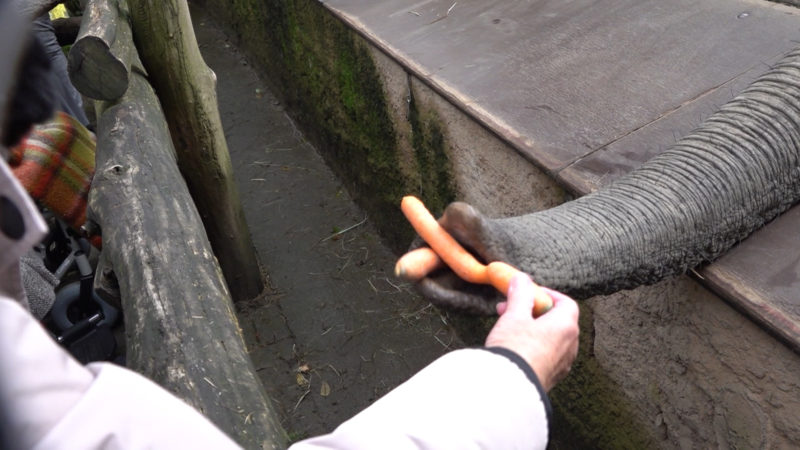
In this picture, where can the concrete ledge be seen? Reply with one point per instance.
(590, 93)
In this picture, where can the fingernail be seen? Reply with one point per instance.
(500, 307)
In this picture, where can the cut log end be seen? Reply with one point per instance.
(95, 71)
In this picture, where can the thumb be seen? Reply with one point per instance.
(520, 296)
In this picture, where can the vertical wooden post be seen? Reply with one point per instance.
(164, 35)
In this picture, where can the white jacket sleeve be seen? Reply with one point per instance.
(467, 399)
(50, 401)
(475, 398)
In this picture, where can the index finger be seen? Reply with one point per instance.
(520, 295)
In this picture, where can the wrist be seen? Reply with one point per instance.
(528, 370)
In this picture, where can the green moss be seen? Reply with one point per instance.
(326, 76)
(296, 436)
(435, 183)
(589, 408)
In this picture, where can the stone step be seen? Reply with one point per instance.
(588, 91)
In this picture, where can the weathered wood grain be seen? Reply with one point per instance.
(181, 328)
(187, 89)
(99, 61)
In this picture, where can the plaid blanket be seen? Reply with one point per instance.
(55, 164)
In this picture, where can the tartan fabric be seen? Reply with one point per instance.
(55, 164)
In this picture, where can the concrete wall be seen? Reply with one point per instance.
(669, 365)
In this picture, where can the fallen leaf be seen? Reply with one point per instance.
(325, 389)
(301, 380)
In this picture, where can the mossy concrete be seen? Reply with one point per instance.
(329, 81)
(589, 407)
(488, 173)
(434, 169)
(386, 133)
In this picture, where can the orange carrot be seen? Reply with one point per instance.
(416, 264)
(452, 253)
(500, 275)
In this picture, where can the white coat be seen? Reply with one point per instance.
(467, 399)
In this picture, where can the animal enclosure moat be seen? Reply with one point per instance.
(335, 330)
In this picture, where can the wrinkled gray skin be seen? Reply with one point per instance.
(684, 207)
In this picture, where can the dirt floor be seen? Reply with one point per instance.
(336, 330)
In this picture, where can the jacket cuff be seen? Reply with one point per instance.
(528, 371)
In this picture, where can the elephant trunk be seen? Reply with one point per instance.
(686, 206)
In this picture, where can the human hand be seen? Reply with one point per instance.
(549, 343)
